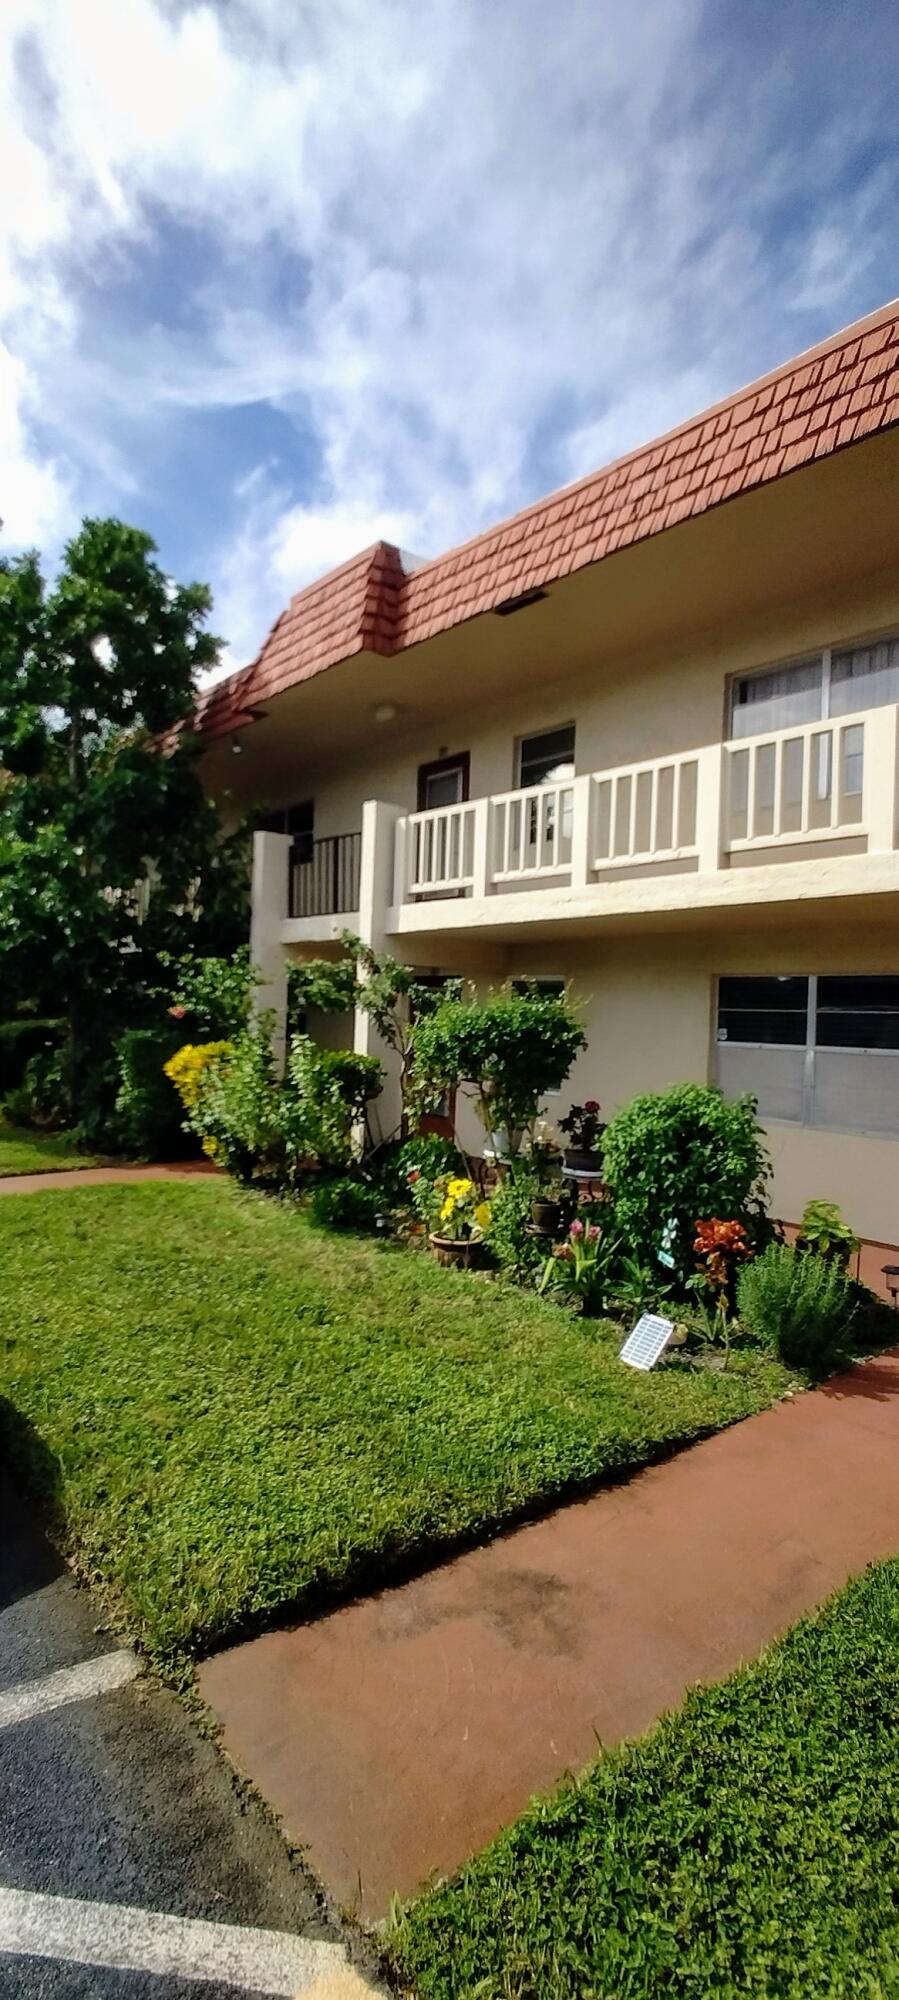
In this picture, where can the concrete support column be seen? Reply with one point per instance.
(376, 885)
(480, 860)
(711, 793)
(269, 907)
(581, 831)
(880, 778)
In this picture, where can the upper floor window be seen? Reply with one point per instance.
(838, 681)
(546, 759)
(298, 821)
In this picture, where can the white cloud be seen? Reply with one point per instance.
(466, 252)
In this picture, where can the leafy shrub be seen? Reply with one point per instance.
(327, 984)
(520, 1257)
(42, 1096)
(429, 1155)
(346, 1203)
(802, 1307)
(187, 1068)
(19, 1041)
(513, 1049)
(824, 1231)
(324, 1098)
(213, 995)
(237, 1110)
(148, 1121)
(676, 1157)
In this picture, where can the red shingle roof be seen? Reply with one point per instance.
(830, 397)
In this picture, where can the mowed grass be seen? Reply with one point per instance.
(25, 1152)
(244, 1411)
(748, 1847)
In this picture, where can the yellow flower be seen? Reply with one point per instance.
(186, 1067)
(459, 1189)
(447, 1209)
(482, 1215)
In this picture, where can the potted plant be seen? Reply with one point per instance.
(583, 1128)
(547, 1207)
(458, 1220)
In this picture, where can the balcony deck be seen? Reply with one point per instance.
(798, 813)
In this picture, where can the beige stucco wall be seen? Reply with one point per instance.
(648, 1013)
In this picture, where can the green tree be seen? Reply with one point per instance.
(110, 854)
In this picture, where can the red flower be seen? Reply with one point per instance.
(591, 1104)
(177, 1013)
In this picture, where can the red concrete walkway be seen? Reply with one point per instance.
(397, 1735)
(69, 1177)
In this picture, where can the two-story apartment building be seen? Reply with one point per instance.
(643, 738)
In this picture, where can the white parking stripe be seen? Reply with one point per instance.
(89, 1677)
(128, 1940)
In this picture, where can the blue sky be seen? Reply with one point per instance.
(278, 278)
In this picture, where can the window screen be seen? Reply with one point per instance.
(860, 1013)
(864, 677)
(771, 1011)
(547, 759)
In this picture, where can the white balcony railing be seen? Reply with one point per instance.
(798, 784)
(833, 781)
(441, 850)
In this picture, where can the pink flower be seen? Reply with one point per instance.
(593, 1232)
(577, 1229)
(177, 1013)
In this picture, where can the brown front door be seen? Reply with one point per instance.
(445, 782)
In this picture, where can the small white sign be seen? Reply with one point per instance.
(666, 1247)
(648, 1341)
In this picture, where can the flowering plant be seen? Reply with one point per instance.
(580, 1266)
(189, 1069)
(583, 1126)
(719, 1248)
(451, 1206)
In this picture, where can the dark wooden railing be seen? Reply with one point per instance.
(324, 876)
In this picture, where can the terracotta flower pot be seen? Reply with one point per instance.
(458, 1252)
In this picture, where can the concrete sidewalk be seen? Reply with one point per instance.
(397, 1735)
(69, 1177)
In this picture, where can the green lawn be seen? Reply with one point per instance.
(25, 1152)
(748, 1847)
(243, 1410)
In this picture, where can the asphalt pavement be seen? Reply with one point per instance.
(131, 1867)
